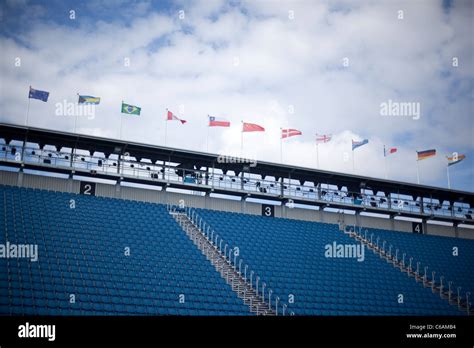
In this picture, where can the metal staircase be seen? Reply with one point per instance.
(244, 282)
(462, 302)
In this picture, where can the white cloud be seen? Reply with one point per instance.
(253, 62)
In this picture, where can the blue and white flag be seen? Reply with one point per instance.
(37, 94)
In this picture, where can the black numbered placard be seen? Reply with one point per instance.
(268, 210)
(87, 188)
(417, 227)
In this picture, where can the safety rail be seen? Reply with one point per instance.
(126, 166)
(462, 301)
(234, 260)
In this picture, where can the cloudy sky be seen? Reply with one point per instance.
(318, 66)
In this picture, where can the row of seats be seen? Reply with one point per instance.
(452, 258)
(116, 257)
(290, 257)
(82, 251)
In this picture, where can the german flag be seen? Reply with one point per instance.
(426, 154)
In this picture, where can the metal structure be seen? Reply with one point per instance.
(121, 160)
(461, 301)
(228, 264)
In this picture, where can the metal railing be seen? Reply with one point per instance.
(233, 259)
(165, 172)
(462, 301)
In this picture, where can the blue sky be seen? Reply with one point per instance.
(275, 63)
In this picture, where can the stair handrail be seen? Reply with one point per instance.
(408, 269)
(197, 221)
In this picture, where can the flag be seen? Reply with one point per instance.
(425, 154)
(323, 138)
(356, 144)
(455, 159)
(251, 127)
(389, 151)
(171, 117)
(87, 99)
(130, 109)
(218, 122)
(286, 133)
(37, 94)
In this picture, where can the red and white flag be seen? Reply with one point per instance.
(251, 127)
(324, 138)
(389, 151)
(286, 133)
(218, 122)
(171, 117)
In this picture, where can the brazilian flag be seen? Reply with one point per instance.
(130, 109)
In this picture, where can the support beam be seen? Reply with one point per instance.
(456, 229)
(118, 189)
(425, 226)
(20, 177)
(207, 199)
(70, 182)
(392, 222)
(358, 218)
(243, 205)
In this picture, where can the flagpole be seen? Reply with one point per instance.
(75, 118)
(242, 140)
(27, 110)
(353, 162)
(385, 162)
(75, 123)
(207, 142)
(449, 180)
(281, 145)
(317, 155)
(166, 125)
(417, 172)
(121, 120)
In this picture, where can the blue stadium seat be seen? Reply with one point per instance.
(81, 252)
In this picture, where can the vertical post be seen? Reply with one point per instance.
(449, 291)
(449, 180)
(353, 161)
(242, 140)
(281, 145)
(317, 154)
(441, 286)
(417, 172)
(27, 110)
(166, 125)
(121, 121)
(459, 297)
(75, 117)
(208, 128)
